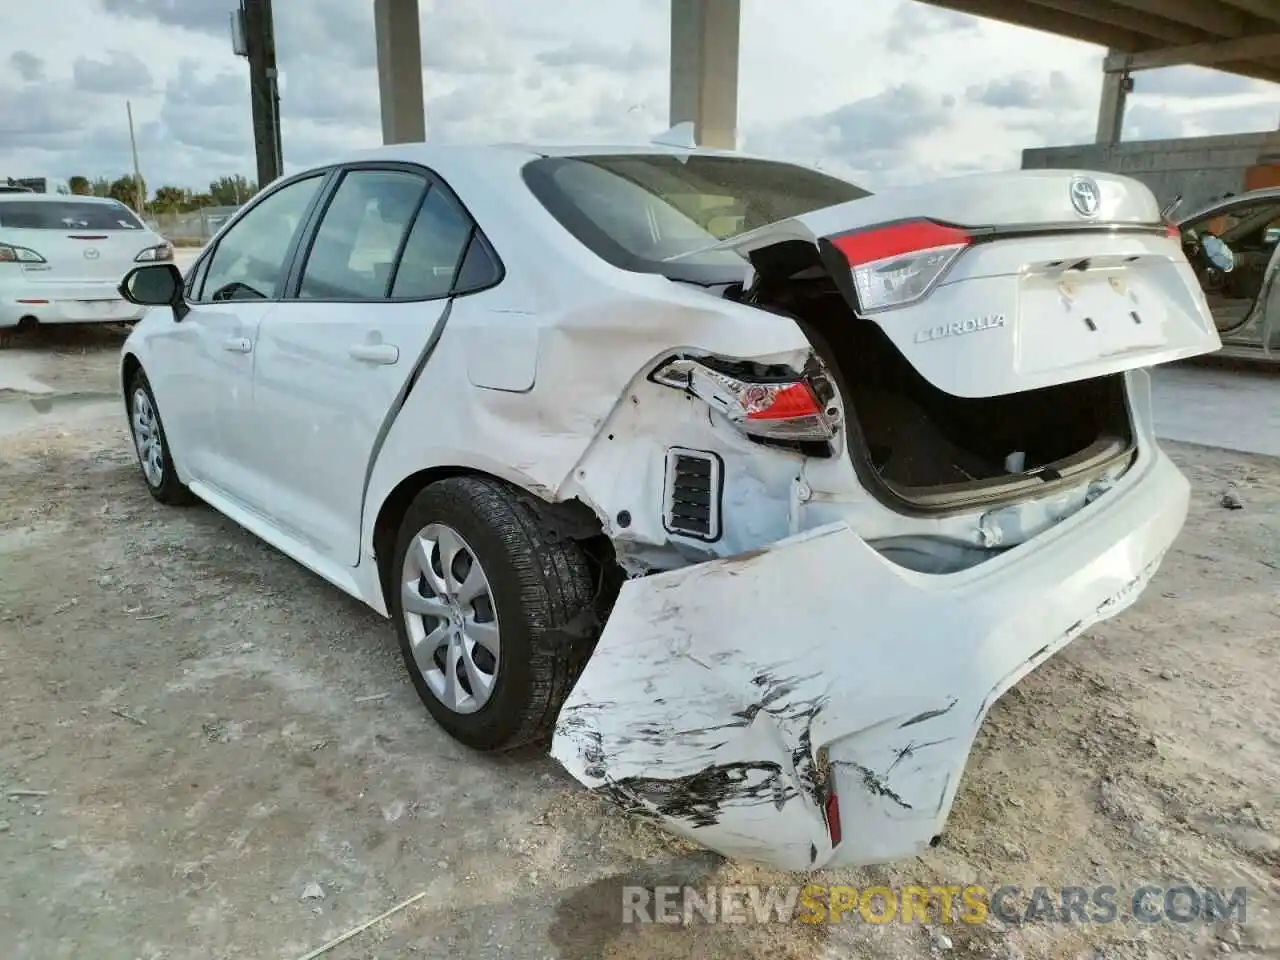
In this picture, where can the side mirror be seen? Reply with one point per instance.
(156, 285)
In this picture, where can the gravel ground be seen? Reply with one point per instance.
(225, 759)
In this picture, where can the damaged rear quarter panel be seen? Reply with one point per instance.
(597, 330)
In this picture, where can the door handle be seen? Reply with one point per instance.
(238, 345)
(374, 352)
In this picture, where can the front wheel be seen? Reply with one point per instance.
(152, 446)
(484, 596)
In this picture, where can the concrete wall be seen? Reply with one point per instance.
(1202, 169)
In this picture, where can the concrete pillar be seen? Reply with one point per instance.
(704, 69)
(1116, 86)
(395, 24)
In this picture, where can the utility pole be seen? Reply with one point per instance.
(253, 37)
(139, 188)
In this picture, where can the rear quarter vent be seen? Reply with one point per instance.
(692, 493)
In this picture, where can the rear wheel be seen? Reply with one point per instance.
(484, 596)
(152, 446)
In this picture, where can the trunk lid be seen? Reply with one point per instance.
(1001, 283)
(81, 240)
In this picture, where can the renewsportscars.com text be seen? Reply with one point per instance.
(945, 904)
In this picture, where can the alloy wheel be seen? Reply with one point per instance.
(147, 438)
(449, 614)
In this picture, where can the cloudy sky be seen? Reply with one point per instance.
(889, 92)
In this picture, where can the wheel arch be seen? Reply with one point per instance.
(129, 366)
(570, 518)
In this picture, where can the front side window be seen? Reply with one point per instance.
(67, 215)
(363, 228)
(250, 260)
(637, 210)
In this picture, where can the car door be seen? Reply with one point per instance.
(1267, 310)
(1235, 299)
(336, 359)
(202, 367)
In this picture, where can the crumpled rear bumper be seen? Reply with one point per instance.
(767, 704)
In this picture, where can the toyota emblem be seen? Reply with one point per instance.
(91, 253)
(1085, 196)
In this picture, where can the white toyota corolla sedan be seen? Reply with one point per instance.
(751, 489)
(62, 259)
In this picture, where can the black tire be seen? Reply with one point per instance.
(543, 590)
(170, 490)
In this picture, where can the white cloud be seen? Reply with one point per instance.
(889, 92)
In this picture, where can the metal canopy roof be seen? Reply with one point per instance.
(1236, 36)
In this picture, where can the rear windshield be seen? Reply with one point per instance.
(636, 210)
(66, 215)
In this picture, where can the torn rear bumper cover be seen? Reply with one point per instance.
(732, 699)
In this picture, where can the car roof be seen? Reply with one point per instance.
(431, 154)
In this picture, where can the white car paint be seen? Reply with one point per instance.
(1004, 294)
(74, 253)
(729, 694)
(726, 698)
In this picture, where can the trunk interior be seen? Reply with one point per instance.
(932, 452)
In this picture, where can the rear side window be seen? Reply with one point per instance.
(479, 268)
(67, 215)
(434, 249)
(355, 247)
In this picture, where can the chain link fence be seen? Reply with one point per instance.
(190, 229)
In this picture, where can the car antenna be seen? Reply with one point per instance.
(683, 134)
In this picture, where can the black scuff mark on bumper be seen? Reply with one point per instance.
(877, 784)
(699, 797)
(907, 752)
(929, 714)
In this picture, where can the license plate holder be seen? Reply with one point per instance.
(1069, 320)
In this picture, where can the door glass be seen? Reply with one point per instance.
(356, 244)
(436, 242)
(249, 262)
(479, 269)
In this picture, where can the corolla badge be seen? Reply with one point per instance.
(959, 328)
(91, 253)
(1085, 196)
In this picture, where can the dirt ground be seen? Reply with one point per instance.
(207, 752)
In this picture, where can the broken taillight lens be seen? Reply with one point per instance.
(772, 409)
(899, 263)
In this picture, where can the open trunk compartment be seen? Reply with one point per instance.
(923, 450)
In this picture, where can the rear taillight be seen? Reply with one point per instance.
(831, 807)
(899, 263)
(775, 409)
(1173, 231)
(160, 252)
(13, 254)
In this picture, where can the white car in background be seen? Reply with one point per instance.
(62, 259)
(753, 490)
